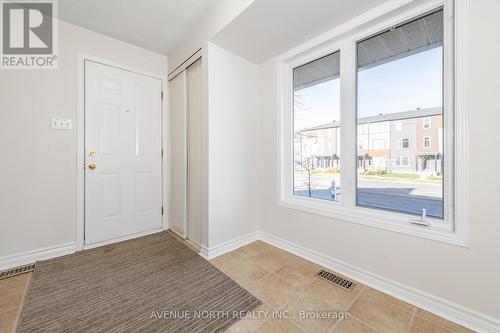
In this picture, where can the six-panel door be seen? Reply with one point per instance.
(122, 153)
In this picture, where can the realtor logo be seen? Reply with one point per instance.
(29, 34)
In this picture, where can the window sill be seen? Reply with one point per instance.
(395, 222)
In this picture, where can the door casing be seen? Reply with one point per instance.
(80, 133)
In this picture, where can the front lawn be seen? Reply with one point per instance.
(403, 176)
(395, 176)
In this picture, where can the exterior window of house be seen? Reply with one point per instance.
(427, 142)
(406, 57)
(427, 123)
(316, 128)
(404, 144)
(403, 162)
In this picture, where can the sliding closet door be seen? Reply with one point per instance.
(194, 193)
(178, 125)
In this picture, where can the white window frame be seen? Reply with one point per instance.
(399, 162)
(430, 142)
(454, 228)
(427, 121)
(401, 143)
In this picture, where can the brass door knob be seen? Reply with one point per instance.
(92, 166)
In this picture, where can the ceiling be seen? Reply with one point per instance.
(269, 27)
(157, 25)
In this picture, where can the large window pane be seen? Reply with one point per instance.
(316, 120)
(400, 157)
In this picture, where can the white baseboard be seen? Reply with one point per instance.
(29, 257)
(454, 312)
(217, 250)
(204, 252)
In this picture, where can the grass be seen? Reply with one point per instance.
(414, 177)
(395, 176)
(437, 179)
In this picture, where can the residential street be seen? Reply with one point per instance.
(387, 194)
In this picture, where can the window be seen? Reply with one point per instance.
(316, 122)
(394, 95)
(427, 142)
(390, 64)
(402, 162)
(404, 143)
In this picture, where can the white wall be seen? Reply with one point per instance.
(38, 178)
(199, 37)
(38, 165)
(468, 277)
(211, 23)
(232, 95)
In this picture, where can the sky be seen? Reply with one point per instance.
(402, 85)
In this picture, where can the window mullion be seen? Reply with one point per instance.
(348, 122)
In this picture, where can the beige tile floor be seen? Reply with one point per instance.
(12, 291)
(289, 288)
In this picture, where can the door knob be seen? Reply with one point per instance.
(92, 166)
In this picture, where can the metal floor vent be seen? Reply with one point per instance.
(16, 271)
(337, 280)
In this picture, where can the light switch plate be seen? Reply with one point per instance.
(61, 124)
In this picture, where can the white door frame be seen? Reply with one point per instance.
(80, 158)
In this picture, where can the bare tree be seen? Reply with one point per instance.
(300, 101)
(301, 105)
(310, 168)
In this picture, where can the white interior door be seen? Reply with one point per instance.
(178, 124)
(195, 169)
(123, 184)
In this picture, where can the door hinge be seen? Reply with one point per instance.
(161, 210)
(162, 95)
(162, 152)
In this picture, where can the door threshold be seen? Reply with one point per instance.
(121, 239)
